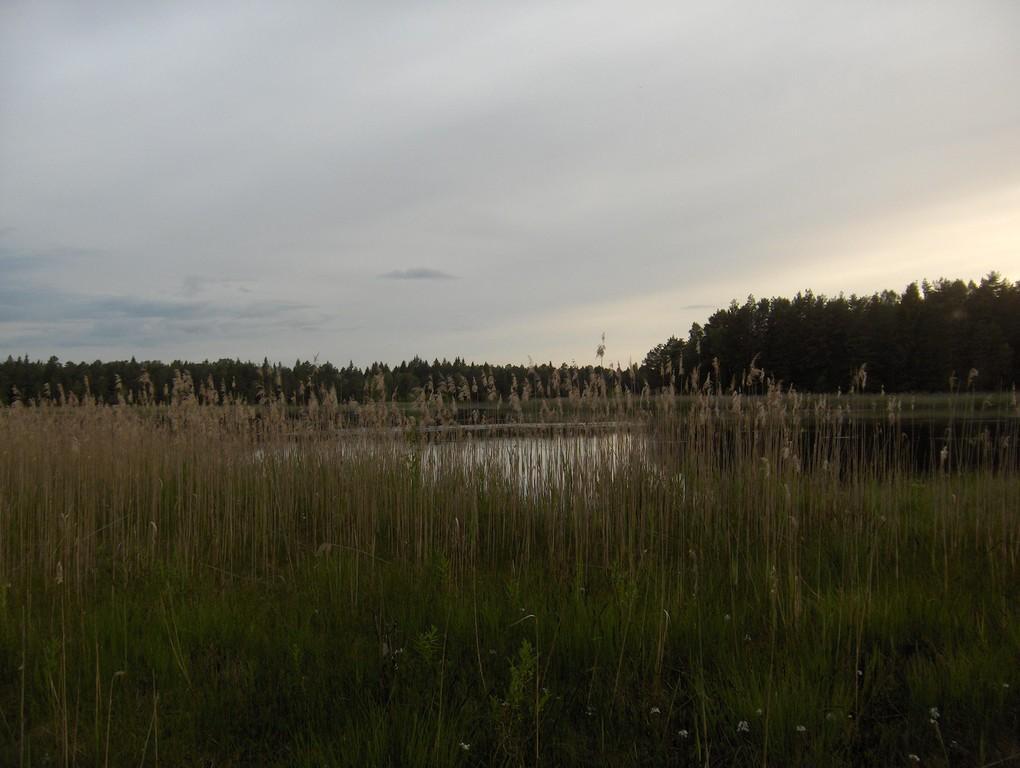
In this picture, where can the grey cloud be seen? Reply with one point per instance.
(15, 260)
(121, 306)
(269, 308)
(39, 314)
(193, 285)
(11, 264)
(39, 303)
(417, 273)
(565, 157)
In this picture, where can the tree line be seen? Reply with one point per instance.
(931, 337)
(225, 380)
(935, 336)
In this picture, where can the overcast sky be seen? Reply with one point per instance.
(371, 181)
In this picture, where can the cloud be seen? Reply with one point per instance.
(193, 285)
(39, 314)
(24, 261)
(293, 155)
(417, 273)
(101, 307)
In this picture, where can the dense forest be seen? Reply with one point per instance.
(931, 337)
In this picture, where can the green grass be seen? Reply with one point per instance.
(205, 588)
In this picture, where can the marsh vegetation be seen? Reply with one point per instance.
(613, 578)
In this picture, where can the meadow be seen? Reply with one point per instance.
(609, 578)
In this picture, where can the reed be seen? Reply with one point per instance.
(581, 575)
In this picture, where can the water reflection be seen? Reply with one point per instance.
(536, 463)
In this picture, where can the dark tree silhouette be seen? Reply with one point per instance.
(930, 337)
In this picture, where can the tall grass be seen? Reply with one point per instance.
(611, 577)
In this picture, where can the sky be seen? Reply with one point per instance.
(492, 180)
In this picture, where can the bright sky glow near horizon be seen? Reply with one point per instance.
(495, 181)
